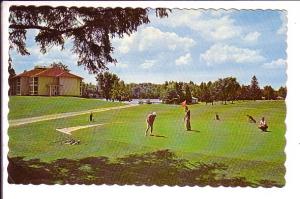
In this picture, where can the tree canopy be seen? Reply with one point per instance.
(254, 89)
(60, 65)
(90, 29)
(106, 82)
(226, 89)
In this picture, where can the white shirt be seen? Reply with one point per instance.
(262, 123)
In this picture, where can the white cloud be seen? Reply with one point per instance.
(54, 54)
(275, 64)
(121, 65)
(252, 37)
(184, 60)
(148, 64)
(153, 39)
(284, 21)
(214, 25)
(125, 44)
(220, 12)
(221, 53)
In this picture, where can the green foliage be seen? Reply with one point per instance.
(145, 90)
(244, 92)
(60, 65)
(106, 82)
(188, 94)
(255, 91)
(172, 92)
(12, 73)
(91, 29)
(120, 91)
(269, 93)
(90, 90)
(282, 92)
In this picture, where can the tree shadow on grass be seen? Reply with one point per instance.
(156, 168)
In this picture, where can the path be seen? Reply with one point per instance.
(18, 122)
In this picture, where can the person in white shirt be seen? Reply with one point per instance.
(263, 124)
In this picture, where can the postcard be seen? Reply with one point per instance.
(146, 96)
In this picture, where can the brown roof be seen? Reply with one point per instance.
(48, 72)
(31, 73)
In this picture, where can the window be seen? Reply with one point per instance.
(81, 88)
(33, 84)
(18, 86)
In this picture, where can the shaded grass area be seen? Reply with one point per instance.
(157, 168)
(245, 151)
(30, 106)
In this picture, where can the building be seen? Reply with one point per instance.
(46, 81)
(194, 100)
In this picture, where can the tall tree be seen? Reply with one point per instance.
(233, 89)
(222, 91)
(254, 89)
(12, 73)
(244, 92)
(120, 91)
(211, 92)
(282, 91)
(89, 28)
(106, 81)
(188, 94)
(179, 91)
(269, 93)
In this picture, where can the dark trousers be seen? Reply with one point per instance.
(188, 124)
(149, 126)
(263, 128)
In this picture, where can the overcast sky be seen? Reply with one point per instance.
(189, 45)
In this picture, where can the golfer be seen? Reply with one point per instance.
(263, 124)
(150, 121)
(91, 117)
(187, 118)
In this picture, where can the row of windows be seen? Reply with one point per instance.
(33, 85)
(18, 87)
(81, 88)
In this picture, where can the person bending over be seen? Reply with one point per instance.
(150, 120)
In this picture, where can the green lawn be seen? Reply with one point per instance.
(28, 106)
(245, 150)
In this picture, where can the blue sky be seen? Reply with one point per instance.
(189, 45)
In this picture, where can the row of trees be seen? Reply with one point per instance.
(224, 89)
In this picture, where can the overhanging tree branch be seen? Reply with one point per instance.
(91, 29)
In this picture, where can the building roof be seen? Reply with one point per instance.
(48, 72)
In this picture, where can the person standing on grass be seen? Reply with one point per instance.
(187, 118)
(263, 124)
(91, 117)
(150, 120)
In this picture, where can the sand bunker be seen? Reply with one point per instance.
(75, 128)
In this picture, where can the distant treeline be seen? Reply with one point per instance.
(110, 87)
